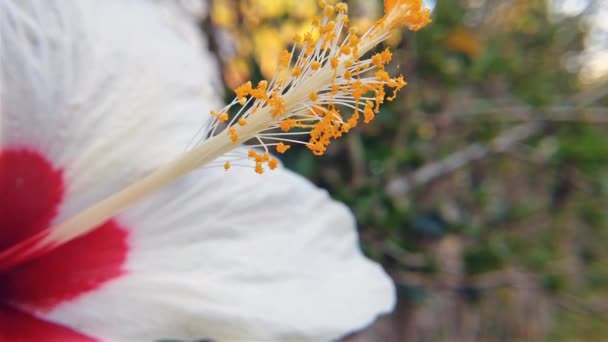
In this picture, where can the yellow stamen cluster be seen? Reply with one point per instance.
(261, 159)
(323, 87)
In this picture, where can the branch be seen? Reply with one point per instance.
(476, 151)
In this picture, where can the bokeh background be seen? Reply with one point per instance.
(483, 188)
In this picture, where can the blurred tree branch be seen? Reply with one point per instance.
(398, 187)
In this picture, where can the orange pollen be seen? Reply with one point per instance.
(226, 166)
(287, 125)
(328, 11)
(259, 169)
(273, 163)
(243, 90)
(263, 158)
(315, 65)
(277, 105)
(368, 112)
(342, 7)
(260, 92)
(383, 75)
(327, 28)
(285, 58)
(316, 21)
(334, 62)
(410, 13)
(234, 137)
(282, 148)
(297, 71)
(223, 117)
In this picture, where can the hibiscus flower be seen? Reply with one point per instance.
(94, 96)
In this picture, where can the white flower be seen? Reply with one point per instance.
(97, 94)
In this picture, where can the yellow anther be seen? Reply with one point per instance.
(410, 13)
(342, 7)
(297, 71)
(226, 166)
(345, 127)
(334, 62)
(382, 75)
(297, 38)
(308, 37)
(277, 105)
(329, 27)
(259, 168)
(328, 11)
(242, 122)
(310, 48)
(379, 97)
(313, 96)
(397, 84)
(223, 117)
(345, 50)
(273, 163)
(315, 65)
(368, 112)
(260, 93)
(287, 125)
(282, 148)
(234, 137)
(387, 55)
(285, 58)
(353, 120)
(243, 90)
(378, 61)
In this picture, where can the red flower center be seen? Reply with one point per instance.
(31, 191)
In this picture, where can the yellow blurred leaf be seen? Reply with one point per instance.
(463, 41)
(223, 14)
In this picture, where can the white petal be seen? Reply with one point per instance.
(107, 90)
(237, 256)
